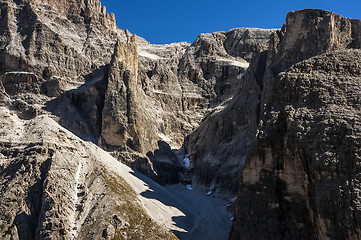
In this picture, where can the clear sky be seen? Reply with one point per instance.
(167, 21)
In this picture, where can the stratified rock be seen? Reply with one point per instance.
(306, 33)
(124, 122)
(300, 179)
(62, 39)
(247, 42)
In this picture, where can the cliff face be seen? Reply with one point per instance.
(305, 34)
(56, 38)
(300, 179)
(282, 105)
(174, 87)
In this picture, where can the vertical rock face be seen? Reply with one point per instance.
(306, 33)
(125, 124)
(301, 176)
(218, 147)
(63, 39)
(118, 110)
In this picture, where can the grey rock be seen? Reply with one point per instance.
(292, 184)
(306, 33)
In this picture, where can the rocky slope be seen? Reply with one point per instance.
(300, 179)
(56, 186)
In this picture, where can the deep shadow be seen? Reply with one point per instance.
(80, 110)
(162, 165)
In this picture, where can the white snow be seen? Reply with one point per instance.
(242, 64)
(18, 71)
(186, 162)
(164, 138)
(73, 229)
(95, 80)
(148, 55)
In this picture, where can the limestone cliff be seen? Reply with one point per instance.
(300, 179)
(173, 89)
(283, 105)
(306, 33)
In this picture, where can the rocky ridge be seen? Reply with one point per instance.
(302, 36)
(56, 186)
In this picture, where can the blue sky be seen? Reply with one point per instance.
(161, 21)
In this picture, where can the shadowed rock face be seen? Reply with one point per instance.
(306, 33)
(301, 176)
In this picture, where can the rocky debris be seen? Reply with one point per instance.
(305, 152)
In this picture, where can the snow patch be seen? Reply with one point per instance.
(186, 162)
(148, 55)
(164, 138)
(242, 64)
(73, 228)
(19, 72)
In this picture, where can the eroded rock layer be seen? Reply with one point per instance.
(301, 176)
(305, 34)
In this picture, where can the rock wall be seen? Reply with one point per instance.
(63, 39)
(305, 34)
(300, 179)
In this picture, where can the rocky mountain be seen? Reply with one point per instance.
(270, 114)
(301, 177)
(71, 82)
